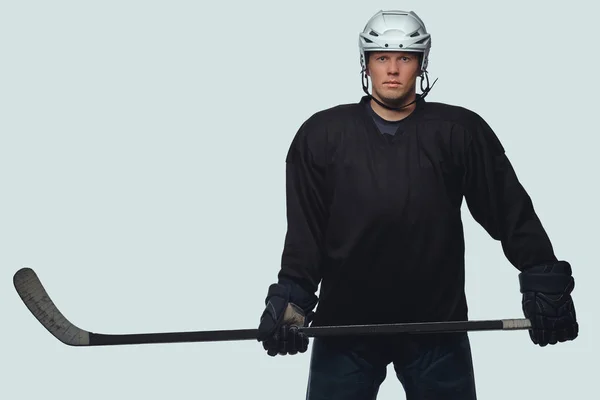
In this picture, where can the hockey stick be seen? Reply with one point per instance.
(36, 298)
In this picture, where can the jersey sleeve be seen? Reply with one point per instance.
(498, 201)
(302, 256)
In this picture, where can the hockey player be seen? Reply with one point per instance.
(374, 192)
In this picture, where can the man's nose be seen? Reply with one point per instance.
(393, 69)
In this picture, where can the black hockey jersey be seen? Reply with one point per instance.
(376, 219)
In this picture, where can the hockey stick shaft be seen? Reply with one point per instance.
(38, 301)
(318, 331)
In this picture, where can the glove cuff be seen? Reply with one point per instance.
(277, 290)
(546, 278)
(299, 296)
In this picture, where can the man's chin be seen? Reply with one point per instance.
(394, 101)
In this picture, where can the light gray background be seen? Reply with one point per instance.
(142, 159)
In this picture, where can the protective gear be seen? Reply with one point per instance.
(278, 329)
(547, 302)
(395, 31)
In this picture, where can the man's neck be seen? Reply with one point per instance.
(393, 115)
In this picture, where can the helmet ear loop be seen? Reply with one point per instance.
(365, 81)
(425, 76)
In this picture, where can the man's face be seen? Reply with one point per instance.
(393, 75)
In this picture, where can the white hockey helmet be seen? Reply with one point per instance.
(395, 30)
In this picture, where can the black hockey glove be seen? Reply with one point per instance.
(547, 302)
(278, 329)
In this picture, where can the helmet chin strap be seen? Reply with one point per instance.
(365, 85)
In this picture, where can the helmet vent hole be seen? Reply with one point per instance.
(368, 41)
(373, 33)
(415, 34)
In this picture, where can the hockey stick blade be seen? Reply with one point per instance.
(37, 300)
